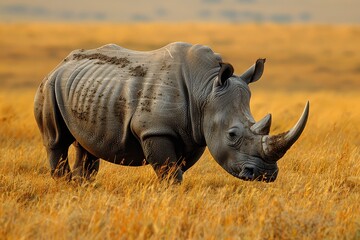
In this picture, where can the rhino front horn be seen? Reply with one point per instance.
(274, 147)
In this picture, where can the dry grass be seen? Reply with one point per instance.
(316, 195)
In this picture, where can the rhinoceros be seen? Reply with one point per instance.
(162, 108)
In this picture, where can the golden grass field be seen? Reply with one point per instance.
(317, 192)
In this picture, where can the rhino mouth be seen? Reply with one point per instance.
(248, 173)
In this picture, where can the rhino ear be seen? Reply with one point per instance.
(255, 72)
(226, 71)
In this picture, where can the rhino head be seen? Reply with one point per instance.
(240, 145)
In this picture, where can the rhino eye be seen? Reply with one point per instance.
(233, 133)
(234, 136)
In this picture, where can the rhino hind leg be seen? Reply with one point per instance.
(55, 134)
(59, 163)
(86, 165)
(57, 150)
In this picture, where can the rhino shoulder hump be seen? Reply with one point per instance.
(110, 46)
(205, 52)
(203, 56)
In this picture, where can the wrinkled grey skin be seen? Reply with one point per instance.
(160, 107)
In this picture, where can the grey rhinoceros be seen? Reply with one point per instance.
(160, 107)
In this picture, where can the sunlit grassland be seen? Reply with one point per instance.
(316, 195)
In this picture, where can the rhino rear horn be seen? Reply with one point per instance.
(255, 72)
(262, 127)
(274, 147)
(226, 71)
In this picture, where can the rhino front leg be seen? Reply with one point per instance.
(160, 153)
(86, 165)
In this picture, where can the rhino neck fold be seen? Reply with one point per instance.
(198, 91)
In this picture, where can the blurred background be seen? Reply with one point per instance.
(240, 11)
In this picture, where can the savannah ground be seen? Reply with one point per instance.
(316, 194)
